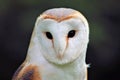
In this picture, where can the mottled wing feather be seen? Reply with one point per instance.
(29, 72)
(17, 72)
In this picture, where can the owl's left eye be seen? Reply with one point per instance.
(71, 33)
(49, 35)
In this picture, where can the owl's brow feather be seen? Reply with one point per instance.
(58, 19)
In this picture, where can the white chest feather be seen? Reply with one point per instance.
(65, 72)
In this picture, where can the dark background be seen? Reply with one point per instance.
(17, 18)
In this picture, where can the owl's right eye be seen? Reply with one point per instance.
(49, 35)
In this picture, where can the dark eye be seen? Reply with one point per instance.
(71, 33)
(49, 35)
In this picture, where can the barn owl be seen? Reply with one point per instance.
(57, 49)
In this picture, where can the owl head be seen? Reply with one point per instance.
(62, 35)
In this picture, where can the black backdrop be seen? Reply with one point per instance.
(17, 18)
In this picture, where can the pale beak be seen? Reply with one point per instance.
(60, 46)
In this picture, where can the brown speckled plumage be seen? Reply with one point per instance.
(27, 73)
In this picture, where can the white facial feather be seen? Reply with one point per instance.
(61, 49)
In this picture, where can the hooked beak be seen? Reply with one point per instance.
(60, 55)
(60, 46)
